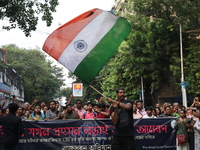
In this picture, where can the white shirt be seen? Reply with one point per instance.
(146, 116)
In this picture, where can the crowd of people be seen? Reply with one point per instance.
(187, 124)
(54, 111)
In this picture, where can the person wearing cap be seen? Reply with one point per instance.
(149, 112)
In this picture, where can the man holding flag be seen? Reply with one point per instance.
(122, 117)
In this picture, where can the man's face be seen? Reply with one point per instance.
(149, 112)
(19, 110)
(45, 109)
(139, 105)
(78, 104)
(42, 104)
(121, 95)
(168, 111)
(52, 106)
(69, 109)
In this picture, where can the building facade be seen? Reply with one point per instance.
(11, 84)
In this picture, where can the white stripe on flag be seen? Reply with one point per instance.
(91, 35)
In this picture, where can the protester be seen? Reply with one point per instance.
(164, 106)
(12, 128)
(79, 108)
(122, 117)
(135, 114)
(26, 107)
(1, 112)
(140, 108)
(107, 107)
(27, 113)
(167, 112)
(89, 114)
(157, 111)
(20, 113)
(157, 105)
(100, 100)
(197, 131)
(101, 111)
(6, 111)
(45, 109)
(182, 132)
(36, 115)
(70, 113)
(52, 113)
(42, 105)
(149, 112)
(196, 102)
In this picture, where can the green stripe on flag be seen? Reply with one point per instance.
(92, 64)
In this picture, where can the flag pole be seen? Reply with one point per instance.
(97, 91)
(184, 95)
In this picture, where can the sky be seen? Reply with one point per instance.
(65, 11)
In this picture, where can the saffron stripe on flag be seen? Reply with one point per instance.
(62, 37)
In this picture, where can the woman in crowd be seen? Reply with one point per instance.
(182, 131)
(157, 111)
(197, 131)
(36, 115)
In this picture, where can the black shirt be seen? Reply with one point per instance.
(12, 128)
(124, 126)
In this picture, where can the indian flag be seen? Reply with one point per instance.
(87, 42)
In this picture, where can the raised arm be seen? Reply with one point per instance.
(70, 100)
(35, 101)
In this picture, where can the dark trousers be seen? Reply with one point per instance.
(123, 143)
(4, 148)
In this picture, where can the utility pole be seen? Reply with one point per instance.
(142, 91)
(183, 83)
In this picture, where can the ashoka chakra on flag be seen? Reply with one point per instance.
(87, 42)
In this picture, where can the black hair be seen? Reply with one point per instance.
(78, 101)
(158, 109)
(107, 105)
(167, 107)
(95, 104)
(52, 101)
(138, 101)
(90, 104)
(120, 88)
(12, 107)
(102, 105)
(148, 108)
(34, 110)
(182, 111)
(21, 108)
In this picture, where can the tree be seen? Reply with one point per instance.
(40, 77)
(24, 14)
(152, 48)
